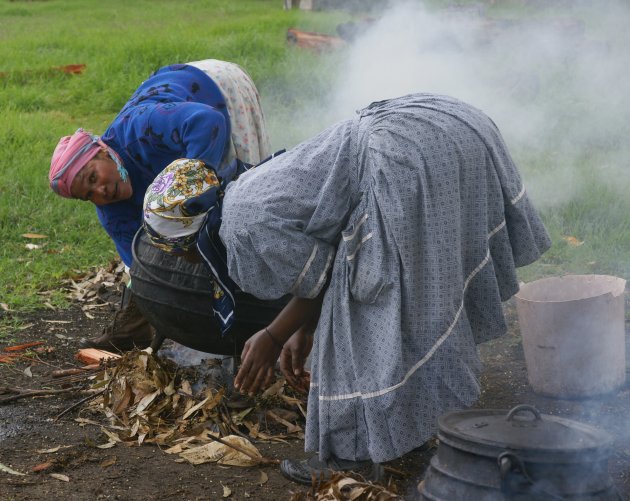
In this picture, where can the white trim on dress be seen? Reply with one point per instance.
(436, 345)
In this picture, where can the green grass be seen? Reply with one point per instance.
(122, 42)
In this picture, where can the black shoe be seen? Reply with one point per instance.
(128, 330)
(307, 470)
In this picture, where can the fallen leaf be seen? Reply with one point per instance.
(41, 467)
(84, 421)
(353, 488)
(27, 372)
(6, 469)
(185, 388)
(141, 437)
(195, 408)
(227, 492)
(123, 402)
(274, 389)
(34, 235)
(286, 414)
(59, 476)
(238, 418)
(134, 428)
(215, 452)
(94, 306)
(109, 462)
(70, 69)
(145, 402)
(112, 436)
(54, 449)
(291, 428)
(572, 241)
(108, 445)
(263, 478)
(170, 388)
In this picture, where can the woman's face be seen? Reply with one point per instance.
(99, 182)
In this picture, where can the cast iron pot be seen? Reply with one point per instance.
(175, 296)
(517, 455)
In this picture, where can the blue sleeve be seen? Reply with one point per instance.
(121, 221)
(196, 130)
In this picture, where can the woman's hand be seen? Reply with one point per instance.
(262, 350)
(293, 357)
(258, 359)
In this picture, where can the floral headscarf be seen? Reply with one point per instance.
(177, 203)
(182, 210)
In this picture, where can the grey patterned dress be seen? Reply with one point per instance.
(418, 213)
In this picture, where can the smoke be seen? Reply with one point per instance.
(551, 78)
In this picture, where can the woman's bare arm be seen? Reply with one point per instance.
(262, 350)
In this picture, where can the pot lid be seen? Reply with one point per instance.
(523, 428)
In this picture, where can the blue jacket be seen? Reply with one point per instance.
(179, 112)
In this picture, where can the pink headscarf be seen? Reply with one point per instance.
(70, 156)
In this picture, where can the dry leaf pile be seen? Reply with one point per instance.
(150, 400)
(347, 487)
(87, 288)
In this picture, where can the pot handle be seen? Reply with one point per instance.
(516, 482)
(519, 409)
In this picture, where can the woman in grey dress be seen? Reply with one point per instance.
(398, 233)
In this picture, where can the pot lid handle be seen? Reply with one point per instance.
(520, 409)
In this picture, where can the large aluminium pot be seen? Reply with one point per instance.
(497, 455)
(175, 296)
(573, 330)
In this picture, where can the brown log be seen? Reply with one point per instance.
(24, 346)
(37, 393)
(315, 41)
(94, 356)
(74, 371)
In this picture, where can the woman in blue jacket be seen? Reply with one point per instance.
(209, 110)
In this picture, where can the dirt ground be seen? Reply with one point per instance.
(27, 428)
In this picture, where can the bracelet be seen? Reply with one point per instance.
(275, 341)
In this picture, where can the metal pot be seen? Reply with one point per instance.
(521, 454)
(175, 296)
(573, 330)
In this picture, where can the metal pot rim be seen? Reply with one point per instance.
(525, 430)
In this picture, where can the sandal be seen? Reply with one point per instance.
(307, 470)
